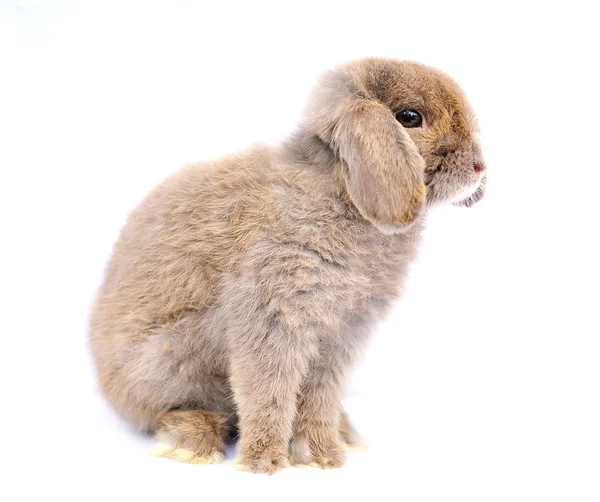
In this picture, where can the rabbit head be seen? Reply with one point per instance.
(404, 135)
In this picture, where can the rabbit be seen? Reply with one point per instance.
(241, 292)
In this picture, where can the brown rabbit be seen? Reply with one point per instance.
(240, 292)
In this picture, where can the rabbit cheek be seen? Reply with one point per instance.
(451, 178)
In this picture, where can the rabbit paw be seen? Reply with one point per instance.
(191, 437)
(321, 454)
(186, 456)
(350, 438)
(268, 463)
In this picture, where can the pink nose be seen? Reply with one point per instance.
(478, 167)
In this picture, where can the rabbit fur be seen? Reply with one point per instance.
(241, 292)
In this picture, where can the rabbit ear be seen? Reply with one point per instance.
(383, 169)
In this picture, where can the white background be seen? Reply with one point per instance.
(488, 372)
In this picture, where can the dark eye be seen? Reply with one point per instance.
(409, 118)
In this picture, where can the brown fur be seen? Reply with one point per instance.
(198, 431)
(243, 291)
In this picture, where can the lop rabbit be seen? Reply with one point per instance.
(241, 292)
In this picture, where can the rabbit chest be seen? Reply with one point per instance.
(322, 264)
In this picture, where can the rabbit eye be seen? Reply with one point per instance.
(409, 118)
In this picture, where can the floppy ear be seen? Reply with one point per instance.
(383, 169)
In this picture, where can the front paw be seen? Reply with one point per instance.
(321, 452)
(267, 461)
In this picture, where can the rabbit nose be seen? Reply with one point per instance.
(478, 167)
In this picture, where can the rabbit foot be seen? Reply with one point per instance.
(185, 456)
(350, 438)
(191, 437)
(268, 463)
(324, 456)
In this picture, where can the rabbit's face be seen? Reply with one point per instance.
(436, 115)
(404, 135)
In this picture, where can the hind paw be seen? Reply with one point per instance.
(191, 437)
(186, 456)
